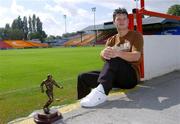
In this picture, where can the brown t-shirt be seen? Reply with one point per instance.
(132, 41)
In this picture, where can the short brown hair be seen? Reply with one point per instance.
(119, 11)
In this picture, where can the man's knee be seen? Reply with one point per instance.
(51, 100)
(80, 77)
(116, 60)
(83, 76)
(113, 63)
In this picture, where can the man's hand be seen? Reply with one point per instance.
(61, 87)
(109, 53)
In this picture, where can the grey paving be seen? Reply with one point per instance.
(156, 101)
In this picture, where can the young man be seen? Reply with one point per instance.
(121, 55)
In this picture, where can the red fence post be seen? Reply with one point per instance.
(140, 29)
(131, 22)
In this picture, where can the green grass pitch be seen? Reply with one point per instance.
(22, 71)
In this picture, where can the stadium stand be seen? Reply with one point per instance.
(24, 44)
(4, 45)
(18, 44)
(89, 39)
(35, 44)
(76, 41)
(104, 36)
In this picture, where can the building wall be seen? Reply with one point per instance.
(178, 54)
(161, 54)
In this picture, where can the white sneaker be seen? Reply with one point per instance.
(94, 98)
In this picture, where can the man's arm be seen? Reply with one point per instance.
(101, 55)
(107, 45)
(55, 83)
(134, 55)
(42, 86)
(137, 48)
(129, 56)
(109, 53)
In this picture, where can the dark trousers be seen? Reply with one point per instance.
(116, 72)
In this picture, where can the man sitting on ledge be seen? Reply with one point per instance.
(122, 56)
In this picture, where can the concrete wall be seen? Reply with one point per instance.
(161, 54)
(178, 54)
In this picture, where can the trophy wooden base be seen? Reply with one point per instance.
(42, 118)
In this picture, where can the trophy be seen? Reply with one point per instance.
(48, 116)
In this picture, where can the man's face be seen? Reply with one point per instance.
(121, 21)
(49, 77)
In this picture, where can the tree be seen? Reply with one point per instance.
(25, 27)
(34, 23)
(14, 24)
(17, 23)
(20, 23)
(15, 34)
(37, 29)
(39, 25)
(58, 37)
(16, 31)
(30, 24)
(174, 10)
(34, 35)
(50, 38)
(7, 27)
(2, 33)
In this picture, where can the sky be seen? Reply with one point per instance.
(79, 12)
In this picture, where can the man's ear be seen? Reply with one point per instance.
(113, 22)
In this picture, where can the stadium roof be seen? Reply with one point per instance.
(91, 27)
(146, 21)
